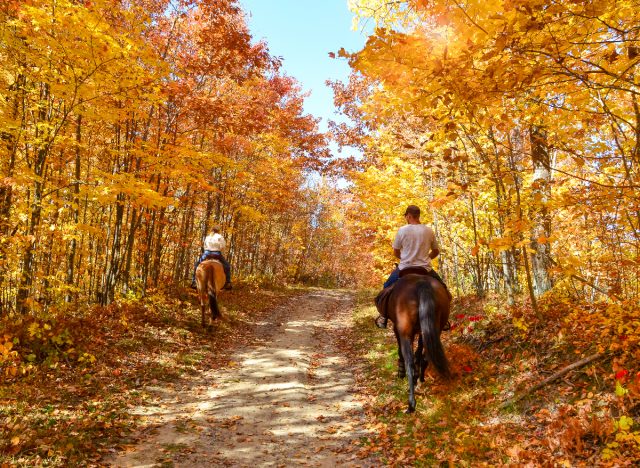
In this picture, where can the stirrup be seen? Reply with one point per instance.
(381, 322)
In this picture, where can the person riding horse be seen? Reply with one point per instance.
(415, 245)
(214, 245)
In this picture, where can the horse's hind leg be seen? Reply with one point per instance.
(406, 345)
(203, 307)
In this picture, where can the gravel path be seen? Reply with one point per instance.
(286, 401)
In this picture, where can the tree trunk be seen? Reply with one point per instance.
(146, 259)
(27, 271)
(76, 211)
(133, 227)
(541, 229)
(113, 267)
(157, 254)
(479, 276)
(516, 148)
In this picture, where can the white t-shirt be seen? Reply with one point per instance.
(215, 242)
(415, 241)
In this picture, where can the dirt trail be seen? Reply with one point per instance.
(286, 401)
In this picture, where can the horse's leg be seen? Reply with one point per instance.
(203, 306)
(402, 373)
(203, 309)
(407, 351)
(201, 286)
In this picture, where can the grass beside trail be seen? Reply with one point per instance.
(69, 379)
(582, 419)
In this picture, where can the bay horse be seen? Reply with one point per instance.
(210, 279)
(419, 305)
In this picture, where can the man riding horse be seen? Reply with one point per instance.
(415, 245)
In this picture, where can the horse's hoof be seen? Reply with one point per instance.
(381, 322)
(410, 410)
(401, 375)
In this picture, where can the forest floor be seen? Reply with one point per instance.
(301, 377)
(140, 383)
(526, 390)
(286, 399)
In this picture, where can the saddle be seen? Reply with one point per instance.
(213, 256)
(382, 299)
(415, 271)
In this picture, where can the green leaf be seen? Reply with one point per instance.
(620, 390)
(625, 423)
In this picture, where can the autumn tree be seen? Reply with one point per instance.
(534, 102)
(128, 129)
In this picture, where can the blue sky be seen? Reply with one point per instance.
(302, 33)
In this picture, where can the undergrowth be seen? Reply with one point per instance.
(70, 378)
(486, 414)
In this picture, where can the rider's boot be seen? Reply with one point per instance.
(381, 322)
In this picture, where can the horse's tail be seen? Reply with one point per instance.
(213, 304)
(430, 336)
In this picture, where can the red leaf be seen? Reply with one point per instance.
(622, 375)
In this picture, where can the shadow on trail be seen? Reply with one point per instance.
(284, 401)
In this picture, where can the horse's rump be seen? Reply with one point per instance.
(210, 273)
(210, 278)
(385, 301)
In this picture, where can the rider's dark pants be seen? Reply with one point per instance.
(225, 264)
(393, 277)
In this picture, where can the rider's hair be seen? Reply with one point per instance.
(413, 210)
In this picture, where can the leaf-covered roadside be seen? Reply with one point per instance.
(69, 381)
(590, 416)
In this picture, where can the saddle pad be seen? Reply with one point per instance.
(213, 257)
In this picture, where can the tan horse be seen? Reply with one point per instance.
(210, 279)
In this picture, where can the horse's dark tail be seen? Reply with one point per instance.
(213, 305)
(430, 336)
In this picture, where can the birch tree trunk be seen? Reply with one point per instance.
(541, 229)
